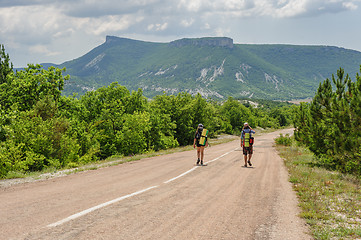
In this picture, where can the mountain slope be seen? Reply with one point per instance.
(213, 67)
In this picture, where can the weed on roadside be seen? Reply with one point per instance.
(330, 201)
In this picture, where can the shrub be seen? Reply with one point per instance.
(284, 140)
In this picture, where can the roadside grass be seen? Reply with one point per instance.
(330, 201)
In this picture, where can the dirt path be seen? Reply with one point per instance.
(163, 197)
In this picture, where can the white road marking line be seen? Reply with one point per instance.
(192, 169)
(185, 173)
(77, 215)
(220, 156)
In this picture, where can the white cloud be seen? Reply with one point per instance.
(222, 32)
(30, 24)
(207, 26)
(235, 5)
(157, 27)
(350, 5)
(91, 8)
(192, 5)
(64, 33)
(271, 8)
(288, 9)
(304, 8)
(43, 50)
(187, 22)
(109, 24)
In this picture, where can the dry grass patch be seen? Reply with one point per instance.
(330, 201)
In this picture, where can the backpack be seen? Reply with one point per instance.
(199, 134)
(204, 135)
(248, 139)
(251, 141)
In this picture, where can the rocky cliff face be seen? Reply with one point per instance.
(216, 41)
(200, 42)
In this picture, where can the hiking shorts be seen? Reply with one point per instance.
(247, 150)
(199, 145)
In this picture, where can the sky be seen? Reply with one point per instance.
(55, 31)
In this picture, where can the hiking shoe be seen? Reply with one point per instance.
(249, 162)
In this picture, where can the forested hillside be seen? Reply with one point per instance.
(42, 128)
(213, 67)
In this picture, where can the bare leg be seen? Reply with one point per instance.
(201, 151)
(249, 159)
(250, 155)
(198, 155)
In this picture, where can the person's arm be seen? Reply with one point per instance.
(242, 135)
(252, 131)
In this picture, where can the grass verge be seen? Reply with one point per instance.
(330, 201)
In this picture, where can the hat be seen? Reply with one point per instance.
(245, 123)
(200, 125)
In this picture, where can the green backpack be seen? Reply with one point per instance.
(248, 140)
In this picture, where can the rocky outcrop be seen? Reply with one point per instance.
(206, 41)
(209, 41)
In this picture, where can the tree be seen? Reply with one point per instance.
(330, 125)
(5, 66)
(24, 88)
(236, 114)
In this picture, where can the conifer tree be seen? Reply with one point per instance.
(5, 66)
(331, 124)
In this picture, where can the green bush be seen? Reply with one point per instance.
(284, 140)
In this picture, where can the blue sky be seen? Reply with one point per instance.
(41, 31)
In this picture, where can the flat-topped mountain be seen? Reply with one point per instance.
(202, 42)
(213, 67)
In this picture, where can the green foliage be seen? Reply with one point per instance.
(185, 113)
(5, 66)
(161, 134)
(330, 124)
(236, 114)
(284, 140)
(133, 134)
(24, 88)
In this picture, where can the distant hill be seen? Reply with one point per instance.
(213, 67)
